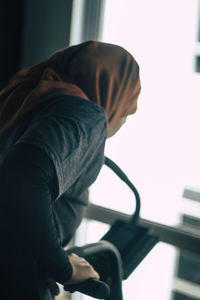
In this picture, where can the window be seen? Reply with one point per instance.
(158, 147)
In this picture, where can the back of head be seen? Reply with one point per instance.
(106, 73)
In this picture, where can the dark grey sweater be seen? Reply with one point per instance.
(47, 163)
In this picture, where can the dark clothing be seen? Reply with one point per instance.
(47, 164)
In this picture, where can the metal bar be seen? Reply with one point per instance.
(178, 237)
(91, 20)
(186, 288)
(191, 194)
(87, 20)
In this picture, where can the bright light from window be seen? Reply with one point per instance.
(159, 146)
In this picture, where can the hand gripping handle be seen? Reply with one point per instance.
(91, 287)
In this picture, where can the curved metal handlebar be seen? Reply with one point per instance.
(116, 169)
(92, 287)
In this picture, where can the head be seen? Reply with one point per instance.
(107, 74)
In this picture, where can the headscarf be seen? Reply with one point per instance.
(105, 73)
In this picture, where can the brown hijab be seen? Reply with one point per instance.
(106, 74)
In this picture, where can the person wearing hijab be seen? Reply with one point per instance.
(54, 120)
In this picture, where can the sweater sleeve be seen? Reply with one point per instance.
(31, 173)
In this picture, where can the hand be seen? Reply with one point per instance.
(82, 270)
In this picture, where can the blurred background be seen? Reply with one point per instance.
(158, 147)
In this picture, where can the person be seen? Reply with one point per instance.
(55, 118)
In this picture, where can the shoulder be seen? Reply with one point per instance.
(72, 132)
(71, 109)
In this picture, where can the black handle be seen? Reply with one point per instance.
(91, 287)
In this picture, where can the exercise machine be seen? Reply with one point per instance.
(118, 252)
